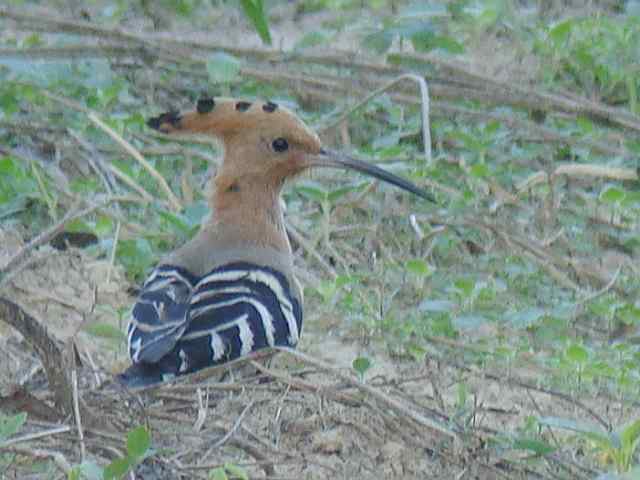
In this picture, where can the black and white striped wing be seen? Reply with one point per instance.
(160, 316)
(181, 325)
(235, 310)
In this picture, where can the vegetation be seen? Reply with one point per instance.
(525, 274)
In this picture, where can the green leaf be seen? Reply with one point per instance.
(184, 8)
(449, 44)
(536, 446)
(585, 125)
(416, 351)
(361, 365)
(105, 330)
(218, 474)
(560, 32)
(117, 468)
(418, 267)
(630, 433)
(480, 170)
(9, 103)
(338, 193)
(236, 471)
(74, 473)
(471, 142)
(254, 10)
(427, 41)
(342, 280)
(613, 195)
(138, 442)
(442, 325)
(222, 68)
(491, 128)
(136, 255)
(78, 226)
(11, 424)
(176, 221)
(577, 353)
(313, 191)
(85, 185)
(104, 226)
(33, 40)
(465, 286)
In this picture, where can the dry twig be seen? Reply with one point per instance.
(377, 394)
(34, 436)
(323, 390)
(580, 170)
(76, 412)
(164, 186)
(424, 93)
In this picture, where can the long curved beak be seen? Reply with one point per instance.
(331, 159)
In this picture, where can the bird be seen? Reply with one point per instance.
(230, 291)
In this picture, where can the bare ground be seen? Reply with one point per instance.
(296, 419)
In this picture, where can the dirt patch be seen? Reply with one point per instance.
(67, 291)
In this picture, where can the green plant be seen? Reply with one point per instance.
(596, 54)
(361, 365)
(254, 10)
(138, 443)
(11, 424)
(416, 24)
(617, 447)
(22, 187)
(526, 285)
(228, 471)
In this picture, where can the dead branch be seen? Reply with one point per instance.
(302, 385)
(454, 76)
(580, 170)
(33, 436)
(392, 403)
(51, 355)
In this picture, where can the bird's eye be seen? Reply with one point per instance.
(280, 145)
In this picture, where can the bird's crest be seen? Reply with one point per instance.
(232, 119)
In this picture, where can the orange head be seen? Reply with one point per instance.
(264, 144)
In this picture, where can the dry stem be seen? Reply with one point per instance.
(173, 200)
(377, 394)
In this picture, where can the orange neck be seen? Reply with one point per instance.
(247, 211)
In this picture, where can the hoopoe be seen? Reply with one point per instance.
(230, 291)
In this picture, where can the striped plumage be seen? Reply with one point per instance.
(182, 323)
(230, 291)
